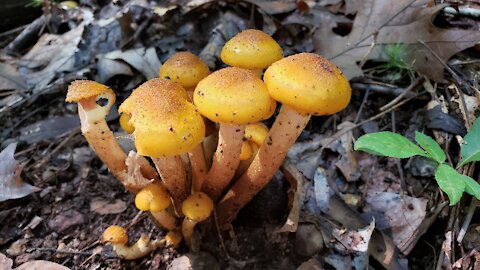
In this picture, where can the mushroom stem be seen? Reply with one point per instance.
(174, 177)
(199, 167)
(225, 160)
(103, 142)
(140, 249)
(284, 132)
(188, 227)
(165, 219)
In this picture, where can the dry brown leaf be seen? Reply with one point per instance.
(355, 240)
(135, 178)
(11, 184)
(104, 207)
(390, 23)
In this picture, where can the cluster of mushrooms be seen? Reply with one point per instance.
(203, 133)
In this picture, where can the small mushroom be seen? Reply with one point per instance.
(306, 84)
(196, 208)
(166, 126)
(255, 135)
(251, 49)
(118, 238)
(232, 97)
(94, 102)
(154, 198)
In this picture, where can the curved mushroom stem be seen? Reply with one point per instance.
(140, 249)
(225, 160)
(284, 132)
(99, 136)
(188, 227)
(199, 167)
(165, 219)
(174, 177)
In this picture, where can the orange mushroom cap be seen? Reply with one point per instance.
(197, 206)
(251, 49)
(246, 151)
(115, 235)
(125, 123)
(233, 95)
(152, 197)
(184, 68)
(309, 83)
(256, 132)
(166, 124)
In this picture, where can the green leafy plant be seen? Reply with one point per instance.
(449, 180)
(395, 55)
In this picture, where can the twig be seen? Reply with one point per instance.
(346, 130)
(73, 252)
(364, 101)
(468, 220)
(412, 86)
(26, 37)
(382, 89)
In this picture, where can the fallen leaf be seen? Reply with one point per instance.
(355, 240)
(11, 184)
(399, 215)
(135, 179)
(34, 265)
(10, 78)
(275, 6)
(389, 23)
(51, 55)
(5, 262)
(103, 207)
(144, 60)
(108, 68)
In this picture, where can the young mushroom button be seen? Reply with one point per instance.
(154, 198)
(305, 84)
(232, 97)
(197, 208)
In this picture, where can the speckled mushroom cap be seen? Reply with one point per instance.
(184, 68)
(83, 89)
(165, 122)
(116, 235)
(251, 49)
(197, 206)
(153, 198)
(309, 83)
(233, 95)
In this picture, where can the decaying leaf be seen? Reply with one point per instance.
(355, 240)
(5, 262)
(144, 60)
(104, 207)
(384, 24)
(51, 55)
(11, 184)
(397, 214)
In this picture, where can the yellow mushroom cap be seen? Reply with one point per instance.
(173, 238)
(233, 95)
(309, 83)
(115, 235)
(251, 49)
(246, 151)
(153, 197)
(125, 123)
(184, 68)
(256, 132)
(197, 206)
(84, 89)
(165, 122)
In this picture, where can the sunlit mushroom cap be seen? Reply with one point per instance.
(197, 206)
(165, 122)
(308, 83)
(115, 235)
(83, 89)
(251, 49)
(233, 95)
(153, 198)
(184, 68)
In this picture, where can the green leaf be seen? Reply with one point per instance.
(471, 150)
(451, 182)
(471, 186)
(431, 146)
(388, 144)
